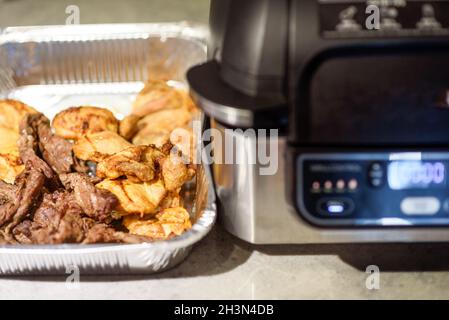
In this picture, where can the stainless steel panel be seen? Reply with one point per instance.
(253, 207)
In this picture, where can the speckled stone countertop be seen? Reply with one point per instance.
(223, 267)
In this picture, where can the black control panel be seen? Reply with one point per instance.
(374, 189)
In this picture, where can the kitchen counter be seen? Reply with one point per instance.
(223, 267)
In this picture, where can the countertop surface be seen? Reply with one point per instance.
(223, 267)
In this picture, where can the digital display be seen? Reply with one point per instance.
(416, 175)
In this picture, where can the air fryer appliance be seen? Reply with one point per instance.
(359, 94)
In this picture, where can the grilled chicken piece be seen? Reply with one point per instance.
(139, 162)
(168, 223)
(8, 141)
(135, 197)
(128, 126)
(100, 145)
(175, 172)
(76, 122)
(184, 140)
(166, 120)
(149, 137)
(12, 112)
(10, 167)
(156, 95)
(155, 128)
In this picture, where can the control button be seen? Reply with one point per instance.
(376, 182)
(376, 174)
(353, 184)
(420, 206)
(446, 206)
(340, 185)
(335, 207)
(328, 185)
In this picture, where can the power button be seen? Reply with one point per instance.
(335, 207)
(376, 174)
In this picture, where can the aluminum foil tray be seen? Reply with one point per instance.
(56, 67)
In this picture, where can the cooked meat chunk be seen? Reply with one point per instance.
(57, 220)
(96, 203)
(18, 205)
(156, 95)
(168, 223)
(175, 172)
(29, 145)
(183, 139)
(98, 146)
(56, 151)
(12, 112)
(76, 122)
(156, 127)
(139, 162)
(147, 137)
(136, 197)
(10, 167)
(165, 120)
(128, 126)
(171, 200)
(49, 193)
(102, 233)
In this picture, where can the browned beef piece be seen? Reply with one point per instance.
(29, 186)
(7, 192)
(36, 135)
(102, 233)
(56, 151)
(96, 203)
(22, 232)
(29, 145)
(57, 220)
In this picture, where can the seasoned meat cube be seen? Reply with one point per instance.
(102, 233)
(96, 203)
(19, 205)
(29, 145)
(76, 122)
(57, 220)
(56, 151)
